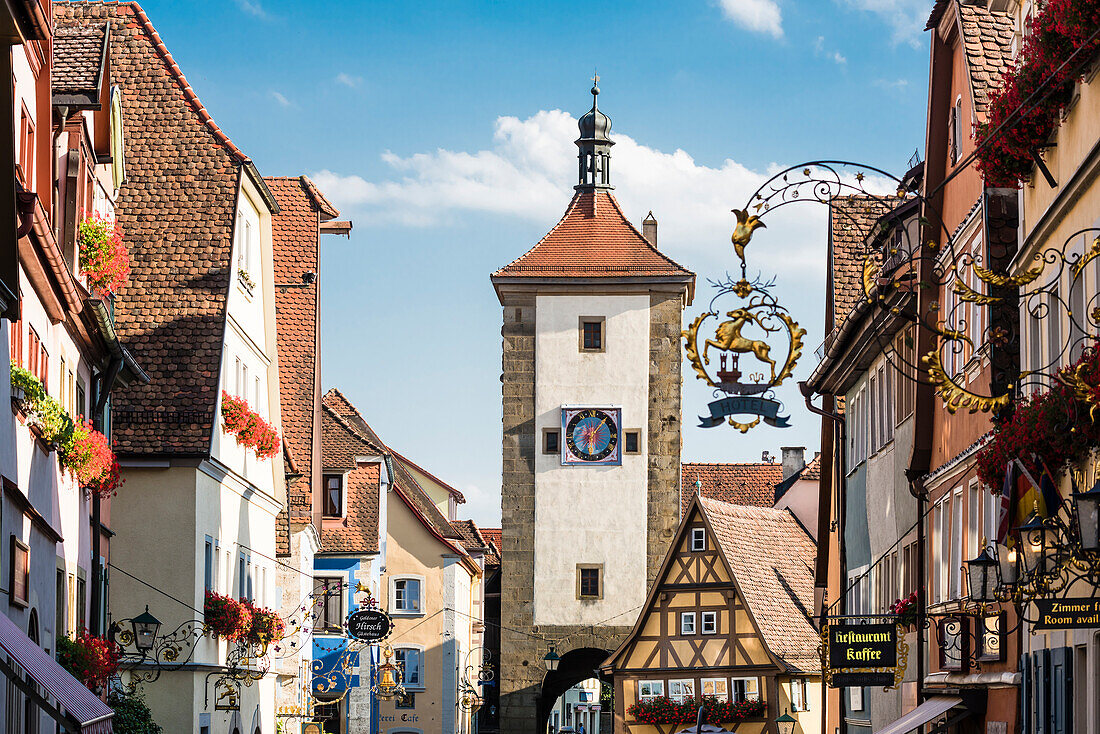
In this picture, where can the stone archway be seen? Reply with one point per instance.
(575, 666)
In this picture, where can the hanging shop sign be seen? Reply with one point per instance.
(369, 625)
(1063, 614)
(311, 727)
(864, 654)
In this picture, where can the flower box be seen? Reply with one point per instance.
(104, 260)
(663, 710)
(224, 616)
(267, 626)
(90, 659)
(87, 454)
(250, 430)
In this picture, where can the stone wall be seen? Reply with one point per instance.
(664, 426)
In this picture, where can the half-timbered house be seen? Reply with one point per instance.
(727, 616)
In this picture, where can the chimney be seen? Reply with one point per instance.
(649, 229)
(794, 460)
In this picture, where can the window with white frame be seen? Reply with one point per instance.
(956, 539)
(858, 586)
(746, 689)
(799, 699)
(709, 622)
(687, 623)
(410, 660)
(855, 698)
(973, 518)
(698, 539)
(648, 689)
(991, 514)
(405, 593)
(717, 687)
(681, 690)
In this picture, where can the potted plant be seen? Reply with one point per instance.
(249, 428)
(104, 260)
(267, 626)
(25, 387)
(905, 610)
(246, 280)
(224, 616)
(87, 454)
(90, 659)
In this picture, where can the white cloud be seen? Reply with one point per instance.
(281, 99)
(761, 16)
(252, 7)
(906, 18)
(834, 56)
(348, 80)
(891, 85)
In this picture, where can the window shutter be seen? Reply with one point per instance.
(1041, 688)
(1025, 694)
(1061, 690)
(951, 134)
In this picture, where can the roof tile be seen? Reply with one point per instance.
(742, 484)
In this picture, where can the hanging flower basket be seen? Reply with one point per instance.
(226, 617)
(1056, 32)
(90, 659)
(664, 710)
(87, 454)
(1057, 426)
(905, 610)
(248, 427)
(267, 626)
(104, 260)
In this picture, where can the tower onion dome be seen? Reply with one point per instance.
(594, 157)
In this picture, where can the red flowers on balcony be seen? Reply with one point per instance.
(104, 260)
(226, 617)
(664, 710)
(91, 660)
(1061, 28)
(267, 626)
(87, 454)
(250, 429)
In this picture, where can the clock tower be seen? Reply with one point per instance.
(591, 439)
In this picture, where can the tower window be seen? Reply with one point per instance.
(592, 333)
(589, 581)
(632, 441)
(551, 441)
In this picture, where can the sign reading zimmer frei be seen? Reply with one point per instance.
(1062, 614)
(863, 654)
(369, 625)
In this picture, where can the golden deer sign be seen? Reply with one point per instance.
(729, 339)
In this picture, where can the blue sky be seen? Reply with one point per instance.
(444, 130)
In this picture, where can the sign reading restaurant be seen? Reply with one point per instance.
(862, 654)
(1061, 614)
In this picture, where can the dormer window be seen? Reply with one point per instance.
(333, 496)
(698, 540)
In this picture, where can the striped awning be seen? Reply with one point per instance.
(77, 709)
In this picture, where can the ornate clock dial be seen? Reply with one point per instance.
(592, 435)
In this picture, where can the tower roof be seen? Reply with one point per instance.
(594, 125)
(594, 239)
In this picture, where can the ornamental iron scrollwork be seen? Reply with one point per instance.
(478, 671)
(169, 652)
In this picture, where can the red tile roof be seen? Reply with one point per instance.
(458, 496)
(741, 484)
(812, 471)
(987, 40)
(341, 443)
(176, 211)
(772, 559)
(594, 239)
(78, 57)
(493, 536)
(851, 223)
(295, 239)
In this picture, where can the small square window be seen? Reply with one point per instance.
(590, 581)
(592, 336)
(651, 689)
(551, 441)
(334, 495)
(746, 689)
(632, 442)
(710, 623)
(717, 687)
(681, 690)
(698, 539)
(687, 623)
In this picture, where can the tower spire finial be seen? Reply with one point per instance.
(595, 143)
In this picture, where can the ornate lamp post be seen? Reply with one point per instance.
(785, 723)
(145, 627)
(982, 575)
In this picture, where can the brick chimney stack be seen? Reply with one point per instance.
(794, 460)
(649, 229)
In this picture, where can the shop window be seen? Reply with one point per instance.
(717, 687)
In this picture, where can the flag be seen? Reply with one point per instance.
(1030, 496)
(1052, 499)
(1008, 504)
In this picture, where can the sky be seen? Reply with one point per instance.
(444, 131)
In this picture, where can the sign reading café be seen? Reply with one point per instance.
(863, 654)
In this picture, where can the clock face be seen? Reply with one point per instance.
(591, 436)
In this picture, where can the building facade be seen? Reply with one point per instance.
(726, 617)
(591, 444)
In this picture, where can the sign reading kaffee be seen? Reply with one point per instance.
(861, 646)
(1061, 614)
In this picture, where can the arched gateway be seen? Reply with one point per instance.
(591, 450)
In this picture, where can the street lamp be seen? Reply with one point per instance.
(552, 660)
(1010, 570)
(145, 630)
(785, 723)
(982, 574)
(1033, 533)
(1088, 517)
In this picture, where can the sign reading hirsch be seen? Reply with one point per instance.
(369, 625)
(1061, 614)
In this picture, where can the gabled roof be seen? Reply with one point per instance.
(811, 473)
(771, 557)
(594, 239)
(295, 235)
(987, 41)
(341, 443)
(404, 483)
(79, 60)
(743, 484)
(851, 221)
(176, 210)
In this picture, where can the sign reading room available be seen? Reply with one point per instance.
(369, 625)
(862, 654)
(1062, 614)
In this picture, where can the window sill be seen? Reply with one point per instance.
(395, 613)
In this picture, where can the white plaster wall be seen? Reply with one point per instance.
(802, 500)
(588, 514)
